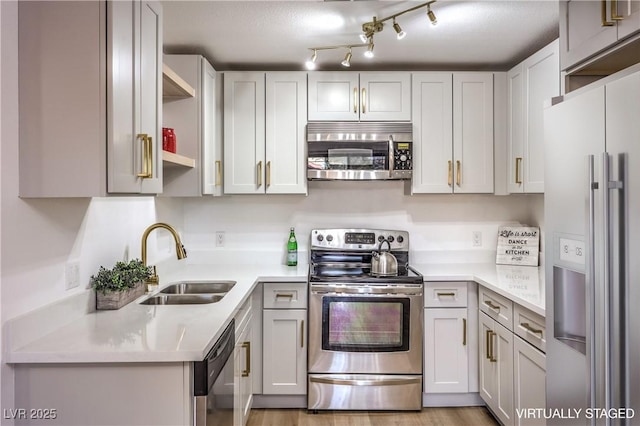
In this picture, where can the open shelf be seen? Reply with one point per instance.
(173, 86)
(171, 159)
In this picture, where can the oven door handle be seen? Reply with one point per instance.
(367, 291)
(367, 382)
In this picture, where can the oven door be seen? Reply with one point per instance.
(365, 330)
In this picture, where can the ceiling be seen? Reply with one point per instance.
(277, 35)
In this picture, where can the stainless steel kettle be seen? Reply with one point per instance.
(384, 263)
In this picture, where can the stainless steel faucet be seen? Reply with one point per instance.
(180, 251)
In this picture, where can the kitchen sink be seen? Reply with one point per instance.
(199, 287)
(182, 299)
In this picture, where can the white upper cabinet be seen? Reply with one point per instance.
(590, 27)
(532, 83)
(134, 94)
(264, 140)
(365, 96)
(90, 105)
(453, 139)
(199, 161)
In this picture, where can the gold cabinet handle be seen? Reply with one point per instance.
(268, 173)
(364, 101)
(247, 365)
(518, 164)
(603, 14)
(302, 334)
(259, 167)
(491, 305)
(493, 355)
(450, 174)
(528, 327)
(614, 11)
(147, 165)
(218, 173)
(487, 345)
(440, 294)
(355, 100)
(464, 332)
(284, 295)
(458, 172)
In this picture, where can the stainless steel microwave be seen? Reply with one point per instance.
(359, 151)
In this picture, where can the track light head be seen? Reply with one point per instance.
(363, 37)
(369, 52)
(432, 16)
(346, 62)
(401, 34)
(311, 63)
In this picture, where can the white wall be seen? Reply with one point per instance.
(440, 226)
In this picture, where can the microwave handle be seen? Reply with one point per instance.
(391, 156)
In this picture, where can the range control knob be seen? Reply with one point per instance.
(390, 238)
(380, 238)
(403, 158)
(329, 238)
(400, 239)
(320, 237)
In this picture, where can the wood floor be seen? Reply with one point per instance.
(459, 416)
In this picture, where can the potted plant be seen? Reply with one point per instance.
(118, 286)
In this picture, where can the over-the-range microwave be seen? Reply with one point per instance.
(359, 150)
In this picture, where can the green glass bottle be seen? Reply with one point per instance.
(292, 249)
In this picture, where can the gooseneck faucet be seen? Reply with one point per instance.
(181, 253)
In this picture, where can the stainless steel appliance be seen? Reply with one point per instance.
(359, 151)
(592, 220)
(365, 331)
(213, 395)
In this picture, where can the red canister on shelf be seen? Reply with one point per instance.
(168, 139)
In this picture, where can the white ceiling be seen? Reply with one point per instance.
(270, 35)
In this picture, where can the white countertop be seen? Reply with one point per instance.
(179, 333)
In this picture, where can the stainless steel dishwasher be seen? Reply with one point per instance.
(213, 383)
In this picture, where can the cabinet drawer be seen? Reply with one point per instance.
(445, 295)
(497, 307)
(284, 296)
(530, 326)
(243, 315)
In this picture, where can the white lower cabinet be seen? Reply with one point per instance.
(242, 375)
(284, 339)
(529, 371)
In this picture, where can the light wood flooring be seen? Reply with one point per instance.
(458, 416)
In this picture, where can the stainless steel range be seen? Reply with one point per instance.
(365, 329)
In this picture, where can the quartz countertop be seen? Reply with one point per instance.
(183, 333)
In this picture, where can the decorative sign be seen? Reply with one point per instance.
(518, 245)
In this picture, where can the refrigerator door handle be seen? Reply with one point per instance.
(608, 288)
(591, 275)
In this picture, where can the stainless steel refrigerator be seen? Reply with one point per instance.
(592, 254)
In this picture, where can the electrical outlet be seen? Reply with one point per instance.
(72, 275)
(219, 238)
(477, 238)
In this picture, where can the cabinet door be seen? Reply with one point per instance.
(432, 117)
(211, 146)
(473, 132)
(488, 369)
(503, 356)
(515, 128)
(581, 31)
(333, 96)
(385, 96)
(243, 378)
(244, 132)
(446, 359)
(529, 381)
(541, 83)
(133, 96)
(285, 352)
(286, 118)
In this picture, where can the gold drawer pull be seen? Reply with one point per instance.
(302, 334)
(487, 345)
(491, 305)
(464, 332)
(446, 294)
(259, 172)
(493, 355)
(614, 11)
(147, 156)
(527, 327)
(284, 296)
(603, 15)
(247, 365)
(218, 173)
(518, 163)
(458, 172)
(450, 173)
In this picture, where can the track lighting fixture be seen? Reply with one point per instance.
(347, 59)
(432, 16)
(369, 29)
(311, 63)
(401, 34)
